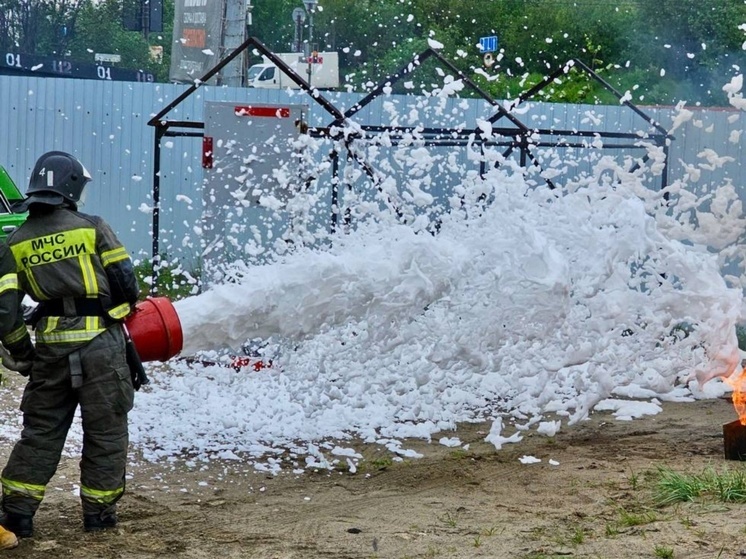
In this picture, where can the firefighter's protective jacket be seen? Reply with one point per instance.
(74, 266)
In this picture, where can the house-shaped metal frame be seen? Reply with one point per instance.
(518, 136)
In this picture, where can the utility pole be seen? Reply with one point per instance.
(146, 19)
(233, 33)
(299, 17)
(310, 7)
(247, 34)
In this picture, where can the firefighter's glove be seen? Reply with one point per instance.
(20, 365)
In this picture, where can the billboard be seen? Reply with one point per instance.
(197, 38)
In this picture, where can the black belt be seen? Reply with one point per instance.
(77, 306)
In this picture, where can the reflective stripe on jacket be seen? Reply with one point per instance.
(13, 332)
(64, 254)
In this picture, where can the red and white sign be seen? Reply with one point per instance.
(248, 110)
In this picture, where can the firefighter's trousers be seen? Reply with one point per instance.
(49, 403)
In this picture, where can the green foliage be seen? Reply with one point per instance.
(34, 26)
(77, 29)
(635, 518)
(172, 280)
(661, 52)
(99, 29)
(663, 552)
(629, 43)
(459, 454)
(674, 487)
(377, 464)
(728, 486)
(634, 481)
(611, 530)
(578, 536)
(448, 519)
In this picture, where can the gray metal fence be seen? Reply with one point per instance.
(105, 125)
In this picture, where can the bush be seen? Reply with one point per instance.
(172, 280)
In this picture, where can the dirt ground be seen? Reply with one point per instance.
(594, 500)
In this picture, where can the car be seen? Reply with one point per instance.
(9, 194)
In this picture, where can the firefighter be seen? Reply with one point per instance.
(83, 280)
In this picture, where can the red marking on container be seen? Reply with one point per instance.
(207, 152)
(248, 110)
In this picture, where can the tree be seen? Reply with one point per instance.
(671, 49)
(273, 23)
(374, 37)
(100, 30)
(694, 43)
(39, 26)
(9, 30)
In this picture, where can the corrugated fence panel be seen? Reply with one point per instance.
(105, 124)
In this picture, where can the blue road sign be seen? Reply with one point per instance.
(488, 44)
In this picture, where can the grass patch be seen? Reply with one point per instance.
(376, 465)
(459, 454)
(663, 552)
(578, 536)
(611, 531)
(491, 531)
(448, 519)
(629, 518)
(634, 481)
(727, 486)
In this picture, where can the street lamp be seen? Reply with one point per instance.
(310, 6)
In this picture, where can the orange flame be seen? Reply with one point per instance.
(739, 394)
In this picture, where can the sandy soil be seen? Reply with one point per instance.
(596, 503)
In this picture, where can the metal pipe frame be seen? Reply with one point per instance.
(523, 137)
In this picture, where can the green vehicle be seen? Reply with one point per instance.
(9, 193)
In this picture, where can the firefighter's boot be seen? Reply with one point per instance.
(21, 525)
(8, 540)
(99, 521)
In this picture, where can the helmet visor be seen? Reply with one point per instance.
(88, 178)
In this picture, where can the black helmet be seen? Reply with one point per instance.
(57, 177)
(59, 173)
